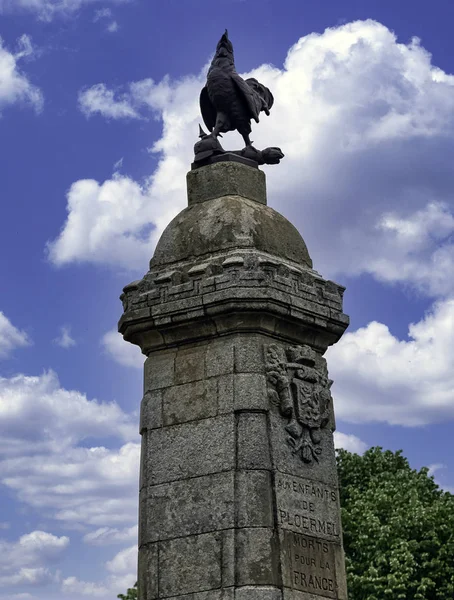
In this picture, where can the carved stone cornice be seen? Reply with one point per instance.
(231, 293)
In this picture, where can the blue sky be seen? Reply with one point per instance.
(98, 105)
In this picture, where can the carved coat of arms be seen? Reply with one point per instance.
(302, 393)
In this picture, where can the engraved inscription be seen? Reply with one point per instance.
(302, 392)
(308, 507)
(312, 566)
(298, 521)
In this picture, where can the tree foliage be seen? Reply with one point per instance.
(398, 529)
(131, 594)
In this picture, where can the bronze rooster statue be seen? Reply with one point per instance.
(229, 103)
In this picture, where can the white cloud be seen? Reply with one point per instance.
(123, 568)
(48, 9)
(119, 221)
(11, 337)
(349, 442)
(367, 128)
(440, 479)
(102, 13)
(107, 223)
(378, 377)
(123, 562)
(106, 13)
(64, 340)
(43, 462)
(118, 165)
(122, 352)
(75, 586)
(99, 99)
(435, 467)
(112, 27)
(78, 486)
(14, 85)
(37, 410)
(105, 536)
(417, 248)
(27, 561)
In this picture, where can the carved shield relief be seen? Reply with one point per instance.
(302, 393)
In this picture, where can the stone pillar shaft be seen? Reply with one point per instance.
(238, 488)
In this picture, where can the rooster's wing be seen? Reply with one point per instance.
(251, 100)
(207, 109)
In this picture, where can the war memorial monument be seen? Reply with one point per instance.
(238, 485)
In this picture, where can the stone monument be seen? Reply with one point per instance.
(238, 486)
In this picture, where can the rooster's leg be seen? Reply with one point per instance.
(246, 139)
(221, 121)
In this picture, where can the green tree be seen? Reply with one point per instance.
(131, 594)
(398, 529)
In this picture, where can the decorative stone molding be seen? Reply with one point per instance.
(247, 281)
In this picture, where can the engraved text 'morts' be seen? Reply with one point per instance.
(312, 565)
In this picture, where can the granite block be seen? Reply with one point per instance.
(228, 557)
(147, 583)
(225, 393)
(254, 499)
(183, 564)
(249, 354)
(159, 370)
(252, 441)
(190, 401)
(254, 592)
(250, 392)
(151, 410)
(189, 450)
(188, 507)
(190, 364)
(219, 358)
(257, 556)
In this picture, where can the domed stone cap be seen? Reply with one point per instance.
(226, 223)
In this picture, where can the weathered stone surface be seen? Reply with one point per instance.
(254, 499)
(313, 566)
(190, 564)
(190, 364)
(257, 557)
(159, 370)
(187, 507)
(253, 445)
(228, 223)
(239, 492)
(221, 594)
(190, 401)
(285, 461)
(228, 558)
(308, 506)
(250, 392)
(225, 393)
(147, 583)
(227, 179)
(151, 410)
(219, 360)
(258, 593)
(249, 354)
(189, 450)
